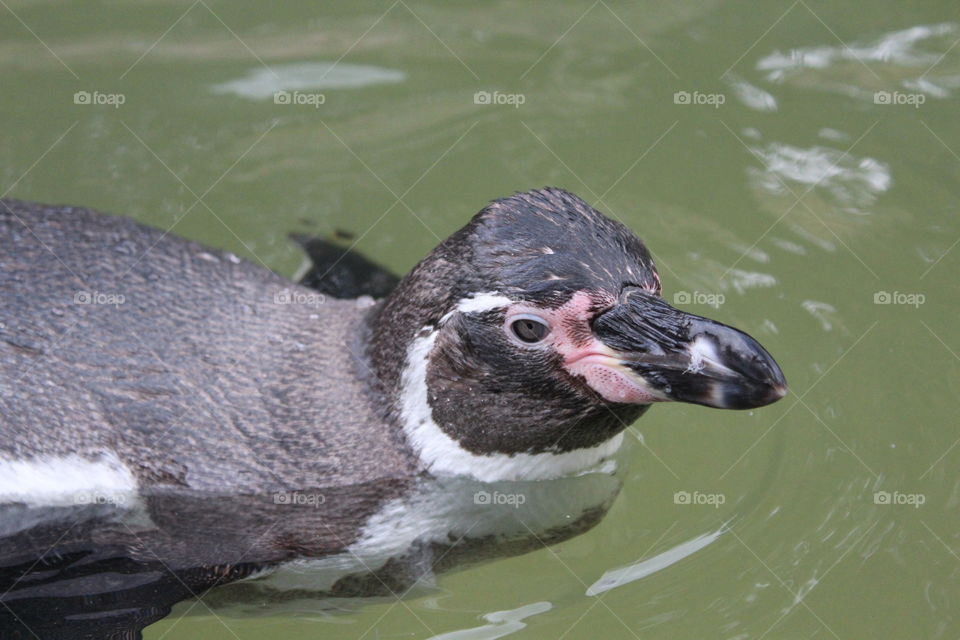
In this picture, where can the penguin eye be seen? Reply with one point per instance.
(529, 329)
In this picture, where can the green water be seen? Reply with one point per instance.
(794, 202)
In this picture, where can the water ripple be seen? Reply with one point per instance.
(899, 55)
(262, 83)
(624, 575)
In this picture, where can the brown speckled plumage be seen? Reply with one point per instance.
(213, 373)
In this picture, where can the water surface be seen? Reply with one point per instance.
(794, 167)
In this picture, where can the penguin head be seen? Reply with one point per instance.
(538, 330)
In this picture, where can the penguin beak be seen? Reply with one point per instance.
(687, 358)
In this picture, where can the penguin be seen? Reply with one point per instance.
(520, 348)
(201, 392)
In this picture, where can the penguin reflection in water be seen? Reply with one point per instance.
(172, 411)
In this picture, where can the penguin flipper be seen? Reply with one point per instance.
(342, 273)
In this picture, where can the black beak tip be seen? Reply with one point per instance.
(775, 392)
(774, 384)
(754, 387)
(752, 396)
(762, 381)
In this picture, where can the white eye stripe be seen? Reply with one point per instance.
(487, 301)
(478, 303)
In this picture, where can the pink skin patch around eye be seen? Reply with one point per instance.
(584, 355)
